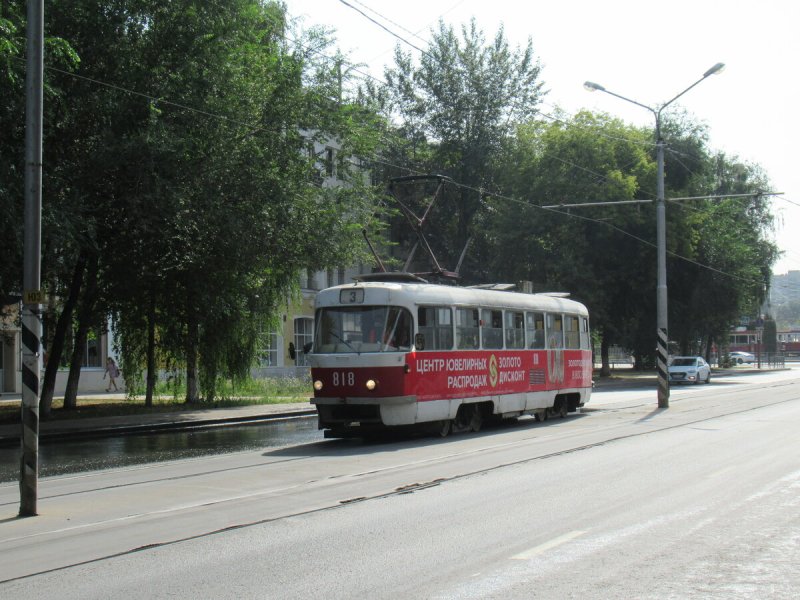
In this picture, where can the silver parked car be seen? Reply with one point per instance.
(689, 369)
(738, 358)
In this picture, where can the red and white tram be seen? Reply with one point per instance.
(393, 350)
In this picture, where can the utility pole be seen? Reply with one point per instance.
(31, 279)
(662, 338)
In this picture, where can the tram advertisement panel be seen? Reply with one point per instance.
(441, 375)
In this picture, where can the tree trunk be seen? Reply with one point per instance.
(605, 368)
(151, 351)
(191, 359)
(85, 320)
(56, 348)
(75, 363)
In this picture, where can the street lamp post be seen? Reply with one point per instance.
(661, 235)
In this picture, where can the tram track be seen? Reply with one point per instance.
(487, 434)
(454, 459)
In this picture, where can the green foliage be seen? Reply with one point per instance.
(177, 138)
(456, 110)
(719, 250)
(12, 84)
(175, 156)
(468, 110)
(588, 159)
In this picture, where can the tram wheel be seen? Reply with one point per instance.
(562, 412)
(476, 420)
(445, 428)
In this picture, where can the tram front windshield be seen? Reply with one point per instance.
(347, 329)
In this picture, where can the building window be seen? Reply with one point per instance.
(303, 334)
(268, 343)
(91, 352)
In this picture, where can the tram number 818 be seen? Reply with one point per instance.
(341, 378)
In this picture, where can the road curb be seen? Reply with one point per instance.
(71, 431)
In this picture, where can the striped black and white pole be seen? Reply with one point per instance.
(31, 368)
(32, 259)
(662, 369)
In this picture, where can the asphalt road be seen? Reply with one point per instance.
(700, 500)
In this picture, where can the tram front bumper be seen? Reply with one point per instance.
(357, 412)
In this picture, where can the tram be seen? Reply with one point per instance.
(392, 351)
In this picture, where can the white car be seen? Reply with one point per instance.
(738, 358)
(689, 369)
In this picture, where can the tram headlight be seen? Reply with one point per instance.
(371, 384)
(318, 385)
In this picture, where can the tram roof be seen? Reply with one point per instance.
(420, 293)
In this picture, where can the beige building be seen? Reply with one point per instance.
(95, 351)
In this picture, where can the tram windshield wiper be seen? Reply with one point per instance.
(344, 341)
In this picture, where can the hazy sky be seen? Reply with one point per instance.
(647, 51)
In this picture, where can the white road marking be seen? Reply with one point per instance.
(563, 539)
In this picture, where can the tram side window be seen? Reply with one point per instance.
(572, 336)
(492, 328)
(555, 331)
(515, 330)
(534, 323)
(435, 327)
(467, 328)
(586, 343)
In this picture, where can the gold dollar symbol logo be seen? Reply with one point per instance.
(493, 370)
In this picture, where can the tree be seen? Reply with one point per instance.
(595, 253)
(12, 83)
(604, 255)
(455, 110)
(178, 180)
(727, 255)
(239, 215)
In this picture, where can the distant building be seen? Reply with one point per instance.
(785, 288)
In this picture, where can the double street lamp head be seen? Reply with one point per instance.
(591, 86)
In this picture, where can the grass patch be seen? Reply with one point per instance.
(264, 391)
